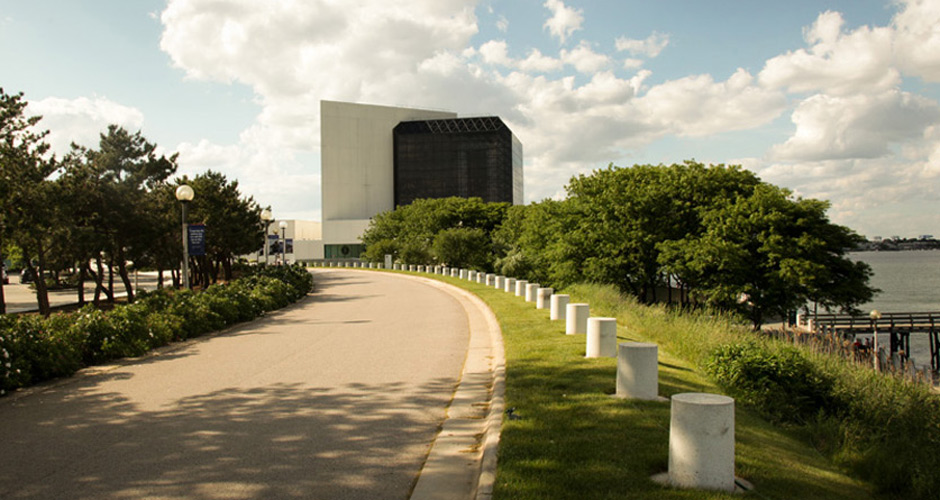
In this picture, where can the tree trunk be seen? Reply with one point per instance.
(122, 270)
(42, 294)
(160, 278)
(99, 283)
(111, 279)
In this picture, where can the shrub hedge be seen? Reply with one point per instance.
(34, 349)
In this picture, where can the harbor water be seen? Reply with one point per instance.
(909, 282)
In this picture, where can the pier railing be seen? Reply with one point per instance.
(851, 336)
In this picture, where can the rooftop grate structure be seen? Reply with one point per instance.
(452, 126)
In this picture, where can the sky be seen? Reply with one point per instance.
(834, 100)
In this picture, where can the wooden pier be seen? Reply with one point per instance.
(899, 327)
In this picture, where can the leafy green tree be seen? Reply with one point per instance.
(534, 243)
(233, 223)
(108, 189)
(624, 214)
(767, 254)
(463, 247)
(27, 191)
(414, 227)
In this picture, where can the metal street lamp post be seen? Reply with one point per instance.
(266, 217)
(185, 194)
(283, 225)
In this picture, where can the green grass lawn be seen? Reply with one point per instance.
(574, 440)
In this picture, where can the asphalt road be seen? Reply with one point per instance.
(339, 396)
(21, 298)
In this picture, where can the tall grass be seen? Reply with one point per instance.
(885, 429)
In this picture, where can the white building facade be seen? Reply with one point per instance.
(357, 168)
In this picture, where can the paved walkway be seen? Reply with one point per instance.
(339, 396)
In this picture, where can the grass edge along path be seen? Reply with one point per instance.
(568, 438)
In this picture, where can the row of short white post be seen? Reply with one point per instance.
(701, 432)
(701, 429)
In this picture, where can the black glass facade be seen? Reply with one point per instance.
(465, 157)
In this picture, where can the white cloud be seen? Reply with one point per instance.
(699, 106)
(651, 47)
(271, 176)
(538, 63)
(857, 126)
(854, 129)
(837, 62)
(82, 120)
(585, 59)
(564, 20)
(495, 52)
(502, 24)
(917, 43)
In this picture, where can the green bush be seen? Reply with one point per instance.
(781, 384)
(33, 349)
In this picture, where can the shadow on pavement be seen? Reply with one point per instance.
(280, 441)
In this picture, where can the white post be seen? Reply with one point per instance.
(576, 318)
(638, 370)
(490, 278)
(701, 441)
(463, 274)
(500, 282)
(559, 304)
(601, 338)
(510, 285)
(481, 277)
(542, 297)
(530, 290)
(520, 288)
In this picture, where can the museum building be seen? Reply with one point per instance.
(374, 158)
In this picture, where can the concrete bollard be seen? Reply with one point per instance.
(701, 441)
(490, 279)
(520, 288)
(510, 285)
(463, 274)
(601, 338)
(481, 277)
(558, 306)
(542, 297)
(530, 289)
(576, 318)
(500, 282)
(454, 272)
(411, 268)
(638, 370)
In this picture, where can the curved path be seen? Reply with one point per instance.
(339, 396)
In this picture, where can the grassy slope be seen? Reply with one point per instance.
(575, 441)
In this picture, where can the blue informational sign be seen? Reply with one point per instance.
(197, 239)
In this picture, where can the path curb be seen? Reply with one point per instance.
(469, 437)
